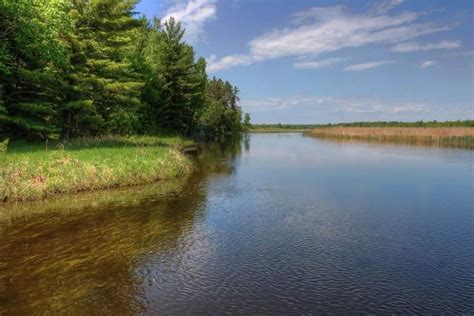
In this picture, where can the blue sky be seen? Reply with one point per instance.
(321, 61)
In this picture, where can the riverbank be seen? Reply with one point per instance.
(460, 137)
(36, 171)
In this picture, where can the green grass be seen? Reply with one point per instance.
(34, 171)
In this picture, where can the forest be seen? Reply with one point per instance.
(78, 68)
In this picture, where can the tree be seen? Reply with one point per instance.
(246, 124)
(180, 80)
(90, 67)
(104, 87)
(221, 114)
(31, 58)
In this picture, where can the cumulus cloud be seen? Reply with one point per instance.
(370, 65)
(414, 47)
(193, 14)
(321, 30)
(318, 64)
(428, 63)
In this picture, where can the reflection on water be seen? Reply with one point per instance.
(269, 223)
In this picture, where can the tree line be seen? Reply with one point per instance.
(73, 68)
(458, 123)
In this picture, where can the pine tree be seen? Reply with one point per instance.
(149, 56)
(104, 87)
(90, 67)
(221, 115)
(180, 80)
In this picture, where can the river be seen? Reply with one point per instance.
(268, 224)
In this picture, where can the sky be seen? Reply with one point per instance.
(328, 61)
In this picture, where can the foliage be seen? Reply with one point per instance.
(72, 68)
(221, 116)
(104, 88)
(246, 124)
(31, 56)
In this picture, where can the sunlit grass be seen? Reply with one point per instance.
(32, 171)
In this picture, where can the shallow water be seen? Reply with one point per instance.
(272, 223)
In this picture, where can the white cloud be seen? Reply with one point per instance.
(227, 61)
(324, 109)
(322, 30)
(332, 31)
(414, 47)
(386, 6)
(280, 103)
(334, 104)
(193, 14)
(428, 63)
(365, 66)
(318, 64)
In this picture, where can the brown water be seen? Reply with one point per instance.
(271, 223)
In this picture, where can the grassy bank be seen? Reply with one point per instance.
(461, 137)
(35, 171)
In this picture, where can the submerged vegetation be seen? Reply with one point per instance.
(462, 137)
(33, 171)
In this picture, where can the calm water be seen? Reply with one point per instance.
(272, 224)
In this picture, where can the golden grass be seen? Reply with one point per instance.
(462, 137)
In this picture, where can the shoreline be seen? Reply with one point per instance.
(29, 172)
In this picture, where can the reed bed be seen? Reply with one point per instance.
(459, 137)
(35, 171)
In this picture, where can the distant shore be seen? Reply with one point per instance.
(459, 137)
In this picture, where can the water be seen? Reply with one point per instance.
(271, 224)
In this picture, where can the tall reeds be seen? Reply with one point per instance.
(462, 137)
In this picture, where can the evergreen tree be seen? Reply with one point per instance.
(180, 80)
(222, 115)
(90, 67)
(104, 87)
(150, 54)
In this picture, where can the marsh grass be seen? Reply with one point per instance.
(459, 137)
(35, 171)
